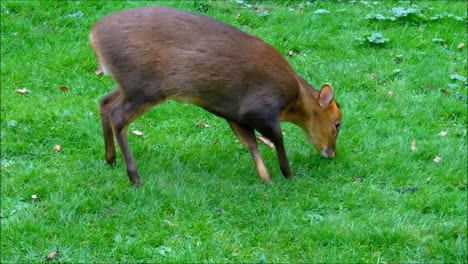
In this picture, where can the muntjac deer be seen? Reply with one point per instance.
(159, 53)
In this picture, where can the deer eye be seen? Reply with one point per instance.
(337, 127)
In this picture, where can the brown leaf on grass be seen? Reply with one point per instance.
(413, 145)
(445, 91)
(443, 133)
(215, 142)
(138, 133)
(266, 141)
(437, 159)
(201, 124)
(373, 76)
(63, 89)
(52, 255)
(398, 58)
(57, 148)
(98, 70)
(22, 91)
(461, 45)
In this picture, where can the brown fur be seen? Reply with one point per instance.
(158, 53)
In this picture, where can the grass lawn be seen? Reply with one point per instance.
(395, 193)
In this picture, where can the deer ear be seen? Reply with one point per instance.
(325, 95)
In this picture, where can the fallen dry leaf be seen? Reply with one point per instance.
(57, 148)
(398, 58)
(63, 88)
(138, 133)
(52, 255)
(201, 124)
(443, 133)
(266, 141)
(461, 45)
(22, 91)
(215, 142)
(413, 145)
(98, 70)
(445, 91)
(373, 76)
(437, 159)
(390, 93)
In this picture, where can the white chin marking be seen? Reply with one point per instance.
(324, 153)
(104, 70)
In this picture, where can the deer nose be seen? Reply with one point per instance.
(326, 153)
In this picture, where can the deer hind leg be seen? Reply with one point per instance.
(273, 132)
(247, 137)
(104, 111)
(122, 112)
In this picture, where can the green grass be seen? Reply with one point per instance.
(203, 202)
